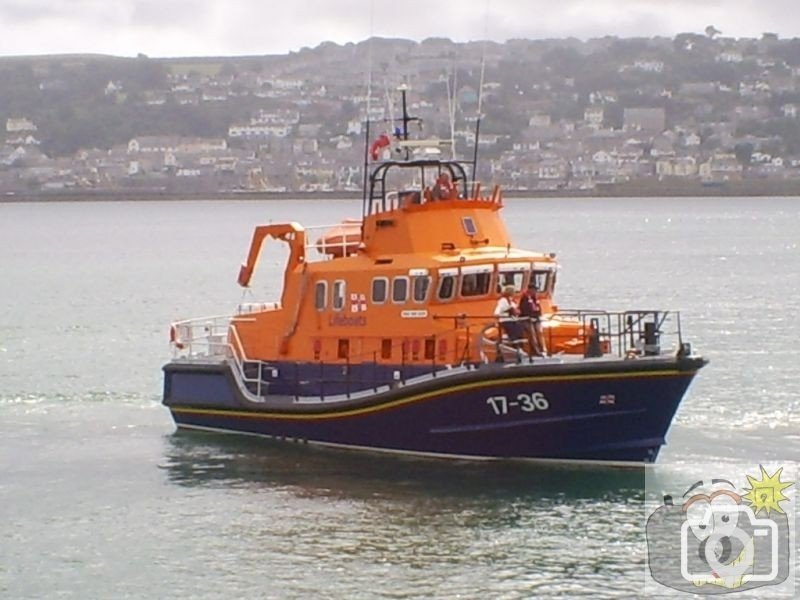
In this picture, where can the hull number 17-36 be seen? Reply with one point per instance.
(502, 405)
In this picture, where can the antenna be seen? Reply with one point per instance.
(403, 89)
(480, 91)
(369, 54)
(451, 105)
(369, 98)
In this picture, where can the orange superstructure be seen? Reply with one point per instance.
(421, 284)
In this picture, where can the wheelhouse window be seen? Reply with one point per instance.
(400, 289)
(339, 292)
(380, 286)
(321, 295)
(543, 277)
(539, 280)
(469, 226)
(447, 283)
(420, 288)
(513, 274)
(475, 280)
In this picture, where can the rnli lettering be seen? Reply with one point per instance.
(502, 405)
(345, 321)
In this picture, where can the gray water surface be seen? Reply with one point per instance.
(100, 499)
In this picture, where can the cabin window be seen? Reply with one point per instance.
(475, 284)
(514, 274)
(343, 348)
(339, 289)
(399, 289)
(514, 278)
(543, 276)
(447, 286)
(540, 279)
(421, 285)
(321, 295)
(469, 226)
(380, 286)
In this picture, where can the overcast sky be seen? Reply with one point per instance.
(237, 27)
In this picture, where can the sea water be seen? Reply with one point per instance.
(99, 498)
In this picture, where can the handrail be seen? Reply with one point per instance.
(625, 334)
(218, 338)
(322, 246)
(598, 333)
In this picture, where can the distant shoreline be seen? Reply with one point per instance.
(632, 189)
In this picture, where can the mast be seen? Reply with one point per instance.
(366, 186)
(406, 119)
(475, 151)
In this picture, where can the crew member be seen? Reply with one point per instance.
(531, 311)
(444, 188)
(506, 312)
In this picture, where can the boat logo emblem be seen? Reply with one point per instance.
(358, 303)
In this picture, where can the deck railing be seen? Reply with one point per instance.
(319, 248)
(624, 334)
(203, 337)
(595, 334)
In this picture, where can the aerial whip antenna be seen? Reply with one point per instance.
(451, 105)
(480, 91)
(369, 99)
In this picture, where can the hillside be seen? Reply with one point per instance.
(557, 113)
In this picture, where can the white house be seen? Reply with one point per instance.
(19, 125)
(258, 130)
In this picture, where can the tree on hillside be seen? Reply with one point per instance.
(744, 153)
(19, 90)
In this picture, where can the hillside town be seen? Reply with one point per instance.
(696, 112)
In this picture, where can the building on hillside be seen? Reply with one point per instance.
(20, 125)
(680, 166)
(163, 144)
(593, 116)
(539, 120)
(721, 167)
(644, 119)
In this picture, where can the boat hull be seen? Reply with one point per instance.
(608, 411)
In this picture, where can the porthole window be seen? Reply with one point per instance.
(447, 286)
(339, 291)
(400, 289)
(380, 286)
(321, 295)
(420, 288)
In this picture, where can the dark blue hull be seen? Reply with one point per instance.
(616, 411)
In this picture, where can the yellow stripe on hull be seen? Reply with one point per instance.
(421, 397)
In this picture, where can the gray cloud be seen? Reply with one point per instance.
(169, 13)
(204, 27)
(29, 12)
